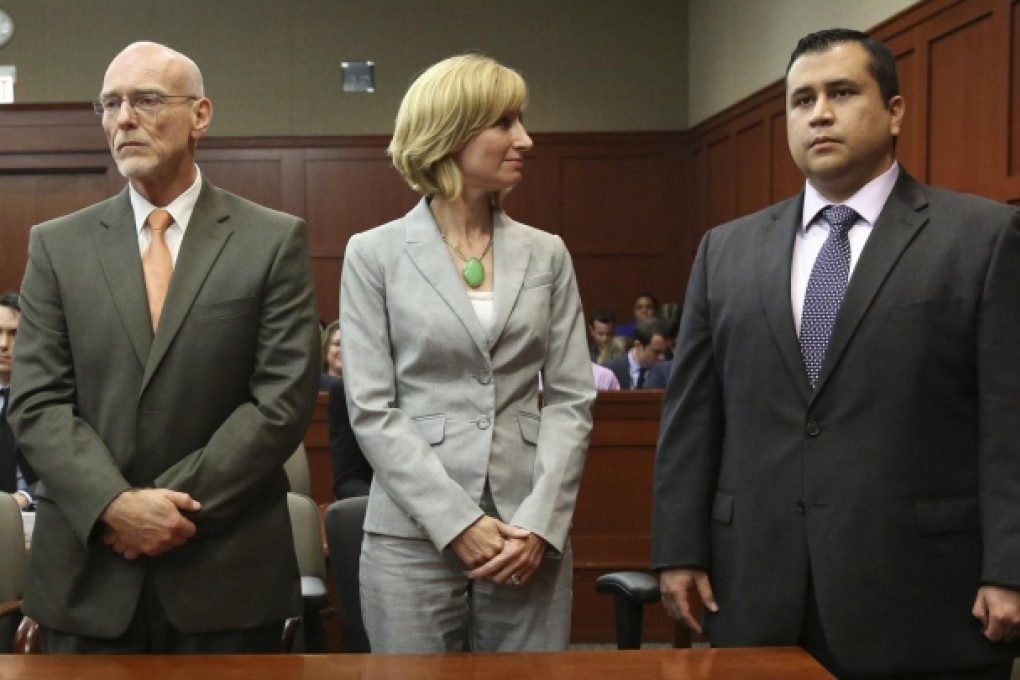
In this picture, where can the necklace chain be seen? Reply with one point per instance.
(485, 252)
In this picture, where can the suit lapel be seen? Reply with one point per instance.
(117, 245)
(429, 254)
(904, 214)
(204, 238)
(510, 259)
(775, 257)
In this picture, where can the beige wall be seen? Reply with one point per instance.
(737, 47)
(272, 66)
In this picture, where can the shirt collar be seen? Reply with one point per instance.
(180, 208)
(868, 201)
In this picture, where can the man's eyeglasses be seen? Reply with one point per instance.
(144, 103)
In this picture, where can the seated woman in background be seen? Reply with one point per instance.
(332, 360)
(448, 316)
(352, 474)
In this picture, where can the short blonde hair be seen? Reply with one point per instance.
(447, 106)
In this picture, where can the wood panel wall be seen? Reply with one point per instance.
(959, 68)
(630, 206)
(612, 196)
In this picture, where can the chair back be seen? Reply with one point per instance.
(297, 471)
(345, 520)
(304, 522)
(12, 565)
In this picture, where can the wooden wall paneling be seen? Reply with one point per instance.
(786, 178)
(326, 274)
(912, 67)
(1013, 120)
(349, 191)
(752, 186)
(255, 174)
(966, 146)
(28, 198)
(722, 178)
(615, 221)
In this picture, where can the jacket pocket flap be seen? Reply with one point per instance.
(537, 280)
(947, 516)
(722, 508)
(433, 428)
(530, 425)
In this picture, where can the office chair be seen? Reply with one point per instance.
(631, 591)
(298, 473)
(345, 520)
(304, 522)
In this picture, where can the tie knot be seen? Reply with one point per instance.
(839, 217)
(159, 220)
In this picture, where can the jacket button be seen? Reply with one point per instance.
(801, 507)
(813, 429)
(484, 377)
(483, 423)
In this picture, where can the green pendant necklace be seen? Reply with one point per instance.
(474, 270)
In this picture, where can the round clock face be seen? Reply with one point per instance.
(6, 28)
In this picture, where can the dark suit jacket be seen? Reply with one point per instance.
(658, 375)
(620, 366)
(212, 405)
(11, 459)
(893, 487)
(352, 475)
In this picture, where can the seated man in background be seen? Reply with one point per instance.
(649, 346)
(646, 306)
(601, 325)
(352, 474)
(16, 476)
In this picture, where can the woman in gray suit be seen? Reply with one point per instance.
(448, 316)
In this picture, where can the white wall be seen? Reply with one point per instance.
(737, 47)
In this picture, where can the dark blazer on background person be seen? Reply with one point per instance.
(12, 459)
(352, 474)
(212, 406)
(658, 375)
(891, 488)
(620, 366)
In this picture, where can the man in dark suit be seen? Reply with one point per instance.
(16, 476)
(839, 459)
(648, 346)
(163, 376)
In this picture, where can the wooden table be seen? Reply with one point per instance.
(776, 663)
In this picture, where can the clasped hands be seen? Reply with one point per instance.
(148, 521)
(499, 552)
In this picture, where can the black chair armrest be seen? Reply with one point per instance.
(637, 586)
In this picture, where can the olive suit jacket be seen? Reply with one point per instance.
(892, 488)
(212, 406)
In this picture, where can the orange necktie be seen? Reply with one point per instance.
(157, 266)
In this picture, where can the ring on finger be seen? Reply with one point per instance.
(514, 580)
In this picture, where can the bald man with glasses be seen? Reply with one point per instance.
(167, 366)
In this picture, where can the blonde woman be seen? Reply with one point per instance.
(332, 359)
(449, 313)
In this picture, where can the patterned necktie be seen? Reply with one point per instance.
(826, 288)
(157, 265)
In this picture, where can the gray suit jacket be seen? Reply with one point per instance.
(893, 488)
(438, 404)
(212, 405)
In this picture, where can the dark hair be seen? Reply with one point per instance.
(881, 64)
(646, 294)
(11, 301)
(646, 329)
(602, 315)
